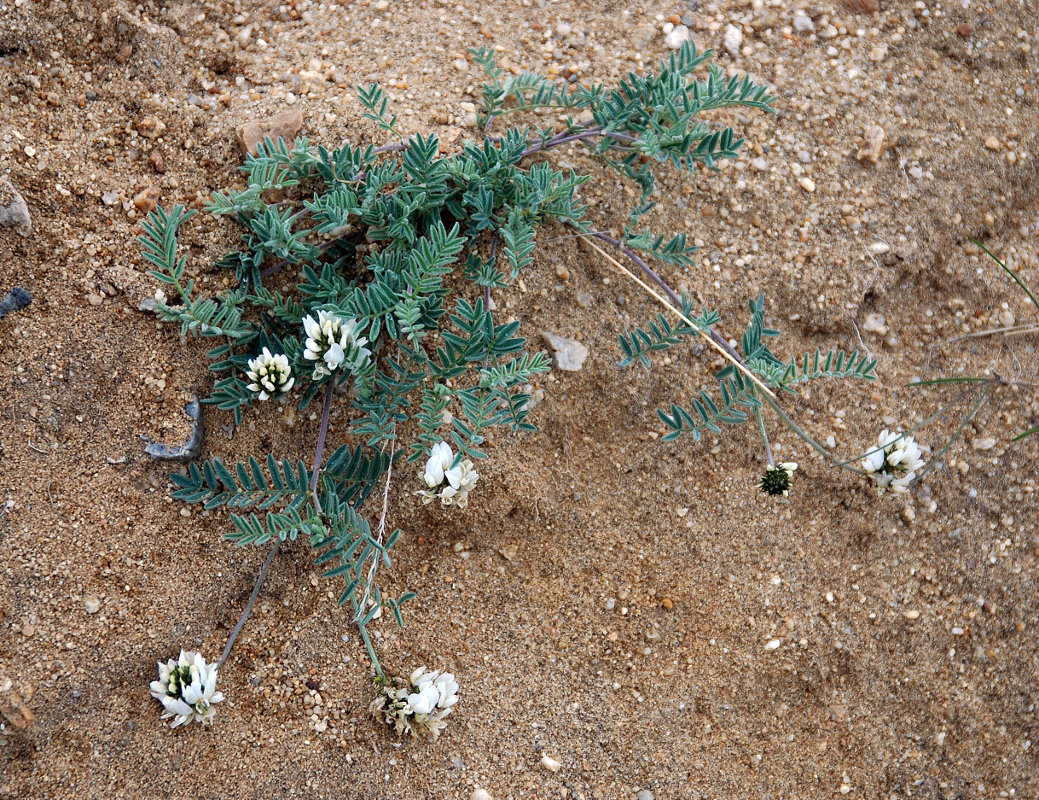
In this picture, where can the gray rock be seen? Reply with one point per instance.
(191, 448)
(645, 794)
(568, 354)
(14, 213)
(15, 300)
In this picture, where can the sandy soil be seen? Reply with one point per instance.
(607, 599)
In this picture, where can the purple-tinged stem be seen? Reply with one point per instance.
(319, 454)
(566, 138)
(321, 248)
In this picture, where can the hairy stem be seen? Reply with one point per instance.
(371, 651)
(956, 434)
(764, 437)
(580, 136)
(671, 293)
(324, 246)
(369, 581)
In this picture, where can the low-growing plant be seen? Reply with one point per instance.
(394, 252)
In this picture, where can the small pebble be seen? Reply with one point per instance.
(914, 614)
(773, 644)
(480, 794)
(151, 127)
(93, 604)
(645, 794)
(874, 142)
(733, 40)
(803, 23)
(550, 763)
(875, 323)
(14, 212)
(148, 199)
(878, 53)
(807, 184)
(880, 248)
(992, 143)
(285, 126)
(677, 37)
(568, 354)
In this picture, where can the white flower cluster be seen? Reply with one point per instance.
(270, 374)
(332, 343)
(187, 689)
(450, 485)
(893, 464)
(422, 703)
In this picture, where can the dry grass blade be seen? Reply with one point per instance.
(670, 306)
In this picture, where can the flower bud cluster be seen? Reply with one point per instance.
(270, 374)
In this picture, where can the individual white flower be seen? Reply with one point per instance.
(450, 485)
(893, 464)
(270, 374)
(440, 458)
(333, 342)
(448, 688)
(424, 700)
(776, 480)
(187, 689)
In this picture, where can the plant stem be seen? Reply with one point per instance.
(803, 435)
(249, 606)
(346, 237)
(764, 437)
(966, 420)
(318, 456)
(362, 604)
(671, 293)
(322, 433)
(371, 651)
(580, 136)
(487, 289)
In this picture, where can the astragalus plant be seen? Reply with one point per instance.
(394, 251)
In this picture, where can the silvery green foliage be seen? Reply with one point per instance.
(392, 254)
